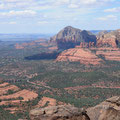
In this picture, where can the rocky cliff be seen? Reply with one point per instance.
(69, 37)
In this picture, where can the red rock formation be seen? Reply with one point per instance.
(112, 54)
(110, 39)
(106, 41)
(84, 56)
(69, 37)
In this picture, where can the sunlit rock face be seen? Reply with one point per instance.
(78, 54)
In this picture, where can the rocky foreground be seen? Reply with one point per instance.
(107, 110)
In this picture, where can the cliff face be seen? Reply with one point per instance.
(69, 37)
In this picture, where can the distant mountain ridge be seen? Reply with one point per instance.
(69, 37)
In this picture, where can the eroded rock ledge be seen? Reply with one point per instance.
(107, 110)
(61, 112)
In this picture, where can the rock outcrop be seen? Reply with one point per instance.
(110, 39)
(78, 54)
(107, 110)
(69, 37)
(61, 112)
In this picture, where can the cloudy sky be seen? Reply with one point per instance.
(49, 16)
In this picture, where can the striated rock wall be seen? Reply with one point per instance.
(84, 56)
(112, 54)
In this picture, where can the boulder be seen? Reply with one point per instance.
(61, 112)
(107, 110)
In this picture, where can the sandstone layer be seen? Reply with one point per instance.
(84, 56)
(111, 54)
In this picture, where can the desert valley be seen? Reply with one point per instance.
(70, 76)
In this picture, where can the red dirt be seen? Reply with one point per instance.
(51, 102)
(4, 90)
(4, 84)
(25, 94)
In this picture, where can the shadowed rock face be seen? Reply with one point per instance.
(61, 112)
(69, 37)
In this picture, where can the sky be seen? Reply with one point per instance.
(50, 16)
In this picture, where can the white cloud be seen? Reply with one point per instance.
(12, 23)
(18, 13)
(47, 4)
(73, 6)
(117, 9)
(43, 22)
(89, 1)
(108, 17)
(9, 23)
(62, 2)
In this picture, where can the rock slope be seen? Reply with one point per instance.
(69, 37)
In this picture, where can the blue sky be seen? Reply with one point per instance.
(49, 16)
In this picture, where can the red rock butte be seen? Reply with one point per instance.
(84, 56)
